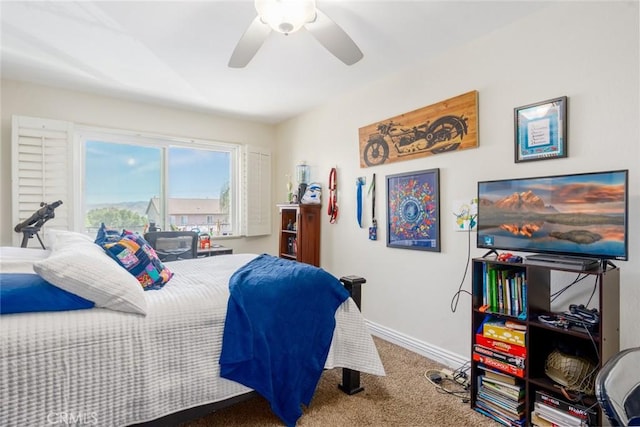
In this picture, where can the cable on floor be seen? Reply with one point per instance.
(445, 385)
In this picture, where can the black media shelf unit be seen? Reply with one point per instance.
(541, 338)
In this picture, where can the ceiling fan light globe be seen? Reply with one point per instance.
(286, 16)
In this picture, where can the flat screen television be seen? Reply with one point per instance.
(582, 215)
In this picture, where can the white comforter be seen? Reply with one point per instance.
(108, 368)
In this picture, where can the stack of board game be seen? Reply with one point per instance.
(499, 348)
(500, 345)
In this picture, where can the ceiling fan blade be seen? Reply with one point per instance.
(249, 43)
(334, 39)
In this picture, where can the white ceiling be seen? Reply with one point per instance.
(175, 53)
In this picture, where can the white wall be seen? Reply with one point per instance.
(584, 50)
(39, 101)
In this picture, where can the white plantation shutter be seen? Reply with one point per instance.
(42, 171)
(257, 191)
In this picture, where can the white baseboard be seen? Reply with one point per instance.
(451, 360)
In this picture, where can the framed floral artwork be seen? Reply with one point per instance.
(413, 210)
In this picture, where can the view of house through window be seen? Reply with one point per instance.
(158, 186)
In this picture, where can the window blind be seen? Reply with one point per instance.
(257, 191)
(42, 160)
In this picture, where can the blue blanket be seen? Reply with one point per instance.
(278, 330)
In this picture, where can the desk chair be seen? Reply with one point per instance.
(618, 388)
(173, 245)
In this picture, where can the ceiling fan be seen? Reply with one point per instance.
(286, 17)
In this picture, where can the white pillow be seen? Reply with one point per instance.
(83, 268)
(57, 237)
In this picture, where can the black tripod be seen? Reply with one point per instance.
(32, 225)
(28, 233)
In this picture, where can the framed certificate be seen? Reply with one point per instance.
(541, 130)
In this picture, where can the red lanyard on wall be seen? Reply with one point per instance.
(332, 209)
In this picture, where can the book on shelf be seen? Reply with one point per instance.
(500, 419)
(485, 299)
(500, 295)
(498, 355)
(538, 421)
(506, 417)
(502, 289)
(512, 413)
(589, 416)
(513, 400)
(508, 390)
(499, 365)
(513, 392)
(524, 297)
(557, 416)
(519, 280)
(514, 407)
(503, 378)
(504, 347)
(491, 286)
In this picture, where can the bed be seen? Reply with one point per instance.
(107, 367)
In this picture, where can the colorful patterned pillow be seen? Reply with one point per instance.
(138, 257)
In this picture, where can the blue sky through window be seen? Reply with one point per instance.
(116, 173)
(197, 174)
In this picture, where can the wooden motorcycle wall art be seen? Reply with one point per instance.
(449, 125)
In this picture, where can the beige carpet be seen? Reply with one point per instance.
(402, 398)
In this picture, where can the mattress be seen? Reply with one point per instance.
(108, 368)
(20, 260)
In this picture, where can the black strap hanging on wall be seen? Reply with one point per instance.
(373, 230)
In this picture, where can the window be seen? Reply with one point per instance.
(122, 183)
(130, 180)
(198, 188)
(133, 182)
